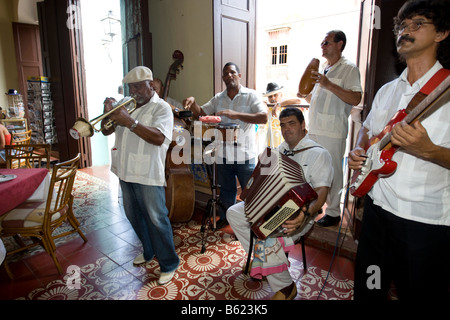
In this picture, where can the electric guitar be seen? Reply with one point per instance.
(380, 150)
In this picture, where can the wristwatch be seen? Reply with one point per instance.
(134, 125)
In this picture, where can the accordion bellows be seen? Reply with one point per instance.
(275, 192)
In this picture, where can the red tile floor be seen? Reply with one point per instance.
(102, 268)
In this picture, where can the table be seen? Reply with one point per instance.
(30, 184)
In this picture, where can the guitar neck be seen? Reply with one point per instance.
(428, 104)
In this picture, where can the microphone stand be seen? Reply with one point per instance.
(209, 217)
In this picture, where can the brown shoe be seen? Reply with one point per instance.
(279, 295)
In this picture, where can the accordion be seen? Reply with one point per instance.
(275, 192)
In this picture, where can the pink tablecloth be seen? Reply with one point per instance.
(18, 190)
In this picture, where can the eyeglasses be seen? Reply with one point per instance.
(325, 42)
(413, 26)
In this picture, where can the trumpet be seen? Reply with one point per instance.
(84, 128)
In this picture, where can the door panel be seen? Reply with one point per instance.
(63, 52)
(234, 39)
(379, 64)
(28, 55)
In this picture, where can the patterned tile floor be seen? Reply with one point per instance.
(102, 268)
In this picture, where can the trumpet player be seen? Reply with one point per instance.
(138, 159)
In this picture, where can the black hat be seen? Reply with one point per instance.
(272, 88)
(12, 92)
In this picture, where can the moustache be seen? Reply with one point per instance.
(405, 38)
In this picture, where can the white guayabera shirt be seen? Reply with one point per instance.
(418, 190)
(135, 160)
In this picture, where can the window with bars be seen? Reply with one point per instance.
(274, 55)
(278, 40)
(279, 55)
(283, 54)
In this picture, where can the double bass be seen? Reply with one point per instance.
(180, 189)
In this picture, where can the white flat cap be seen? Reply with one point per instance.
(138, 74)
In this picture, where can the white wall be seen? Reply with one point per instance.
(26, 11)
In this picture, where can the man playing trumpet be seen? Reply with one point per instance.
(138, 159)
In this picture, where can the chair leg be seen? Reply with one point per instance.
(56, 262)
(50, 247)
(302, 241)
(19, 240)
(8, 271)
(247, 267)
(75, 224)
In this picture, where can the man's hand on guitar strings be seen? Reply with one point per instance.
(413, 139)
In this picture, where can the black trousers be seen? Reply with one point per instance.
(414, 256)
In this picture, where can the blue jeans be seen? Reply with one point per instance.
(145, 208)
(226, 176)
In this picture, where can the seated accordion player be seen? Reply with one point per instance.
(276, 192)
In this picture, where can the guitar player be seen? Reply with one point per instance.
(405, 237)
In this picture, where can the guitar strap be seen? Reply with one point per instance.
(290, 153)
(435, 80)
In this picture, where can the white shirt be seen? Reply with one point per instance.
(246, 101)
(315, 162)
(317, 168)
(328, 115)
(135, 160)
(418, 190)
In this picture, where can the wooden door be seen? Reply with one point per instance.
(379, 64)
(234, 39)
(62, 43)
(28, 55)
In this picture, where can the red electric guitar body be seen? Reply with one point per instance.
(379, 161)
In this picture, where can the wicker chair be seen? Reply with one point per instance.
(28, 156)
(21, 137)
(39, 219)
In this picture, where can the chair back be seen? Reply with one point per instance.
(28, 156)
(21, 137)
(60, 191)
